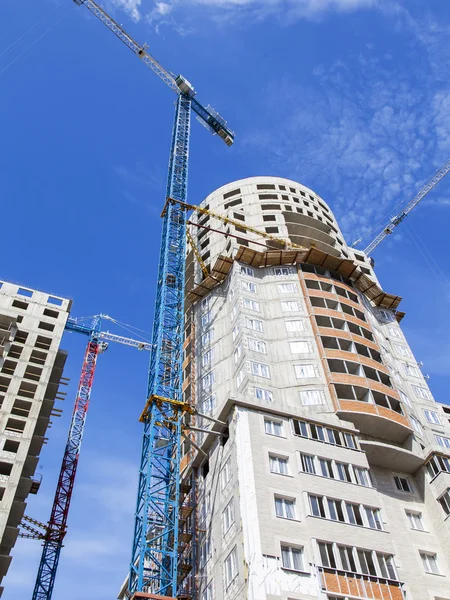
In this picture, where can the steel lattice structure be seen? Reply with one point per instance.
(154, 565)
(56, 529)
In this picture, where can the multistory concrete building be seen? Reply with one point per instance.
(332, 478)
(31, 366)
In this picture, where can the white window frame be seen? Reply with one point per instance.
(290, 306)
(268, 424)
(209, 404)
(414, 518)
(207, 357)
(428, 563)
(305, 371)
(206, 318)
(299, 326)
(443, 441)
(256, 345)
(208, 379)
(260, 369)
(208, 592)
(207, 337)
(400, 489)
(240, 377)
(288, 550)
(254, 324)
(279, 465)
(395, 332)
(420, 392)
(294, 344)
(230, 567)
(237, 353)
(252, 305)
(263, 394)
(287, 288)
(417, 426)
(249, 286)
(316, 397)
(403, 350)
(412, 370)
(405, 398)
(225, 473)
(228, 516)
(245, 270)
(283, 271)
(432, 416)
(287, 506)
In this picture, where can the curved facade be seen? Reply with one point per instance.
(332, 479)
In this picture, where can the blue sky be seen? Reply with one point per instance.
(349, 97)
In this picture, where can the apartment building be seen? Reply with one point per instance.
(31, 366)
(332, 479)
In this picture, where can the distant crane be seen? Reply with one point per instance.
(397, 219)
(53, 533)
(154, 565)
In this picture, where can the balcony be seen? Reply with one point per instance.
(391, 457)
(356, 585)
(374, 420)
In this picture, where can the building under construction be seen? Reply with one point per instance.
(326, 471)
(31, 367)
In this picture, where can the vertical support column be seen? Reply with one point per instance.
(154, 561)
(56, 530)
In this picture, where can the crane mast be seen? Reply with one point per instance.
(54, 532)
(154, 565)
(397, 219)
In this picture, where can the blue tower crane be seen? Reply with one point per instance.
(154, 566)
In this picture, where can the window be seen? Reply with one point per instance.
(404, 398)
(225, 473)
(278, 465)
(290, 306)
(205, 551)
(335, 512)
(251, 304)
(284, 507)
(260, 369)
(263, 394)
(386, 565)
(362, 476)
(327, 555)
(248, 286)
(283, 271)
(395, 332)
(206, 318)
(373, 516)
(303, 371)
(402, 484)
(234, 311)
(287, 288)
(343, 471)
(300, 347)
(247, 271)
(421, 392)
(21, 305)
(326, 468)
(295, 326)
(208, 380)
(230, 567)
(46, 326)
(207, 593)
(429, 562)
(412, 370)
(415, 520)
(317, 507)
(237, 353)
(308, 465)
(207, 337)
(273, 427)
(432, 417)
(347, 558)
(56, 301)
(292, 558)
(235, 332)
(240, 378)
(444, 501)
(354, 513)
(366, 562)
(228, 516)
(207, 357)
(311, 397)
(403, 350)
(208, 405)
(257, 346)
(24, 292)
(443, 441)
(416, 425)
(254, 324)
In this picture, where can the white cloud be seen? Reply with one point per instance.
(132, 7)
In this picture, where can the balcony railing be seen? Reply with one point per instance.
(356, 585)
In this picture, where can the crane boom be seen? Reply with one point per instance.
(207, 116)
(397, 219)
